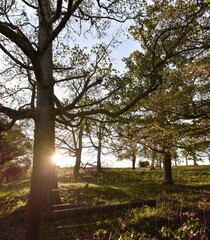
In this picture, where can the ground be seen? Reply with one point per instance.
(185, 202)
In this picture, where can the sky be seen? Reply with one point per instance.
(123, 50)
(111, 161)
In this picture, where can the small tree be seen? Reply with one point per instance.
(125, 145)
(98, 132)
(15, 151)
(70, 140)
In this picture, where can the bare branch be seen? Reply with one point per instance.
(68, 122)
(84, 113)
(99, 101)
(7, 127)
(17, 114)
(14, 59)
(62, 68)
(71, 78)
(28, 4)
(33, 96)
(18, 38)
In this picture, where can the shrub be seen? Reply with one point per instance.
(144, 163)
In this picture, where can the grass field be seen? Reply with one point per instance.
(182, 203)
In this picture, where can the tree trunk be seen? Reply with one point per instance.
(160, 163)
(78, 154)
(44, 176)
(195, 159)
(167, 169)
(153, 159)
(77, 164)
(99, 168)
(186, 161)
(134, 162)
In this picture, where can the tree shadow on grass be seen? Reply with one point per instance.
(194, 188)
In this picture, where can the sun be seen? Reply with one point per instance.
(57, 158)
(60, 160)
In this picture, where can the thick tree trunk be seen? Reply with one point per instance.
(167, 169)
(78, 154)
(77, 163)
(195, 159)
(44, 177)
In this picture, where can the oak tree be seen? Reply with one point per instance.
(37, 43)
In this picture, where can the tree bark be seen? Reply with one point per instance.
(133, 162)
(44, 176)
(167, 169)
(194, 159)
(77, 164)
(78, 154)
(159, 162)
(186, 159)
(99, 168)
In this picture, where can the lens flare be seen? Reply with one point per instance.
(57, 158)
(61, 160)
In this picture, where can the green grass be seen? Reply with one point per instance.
(13, 195)
(125, 185)
(190, 193)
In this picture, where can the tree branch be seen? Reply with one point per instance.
(8, 30)
(7, 127)
(70, 10)
(17, 114)
(71, 78)
(58, 11)
(151, 89)
(14, 59)
(28, 4)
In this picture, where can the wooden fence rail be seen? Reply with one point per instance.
(70, 211)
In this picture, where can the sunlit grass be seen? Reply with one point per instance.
(190, 192)
(125, 185)
(117, 186)
(13, 195)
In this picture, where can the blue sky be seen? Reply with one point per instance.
(124, 50)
